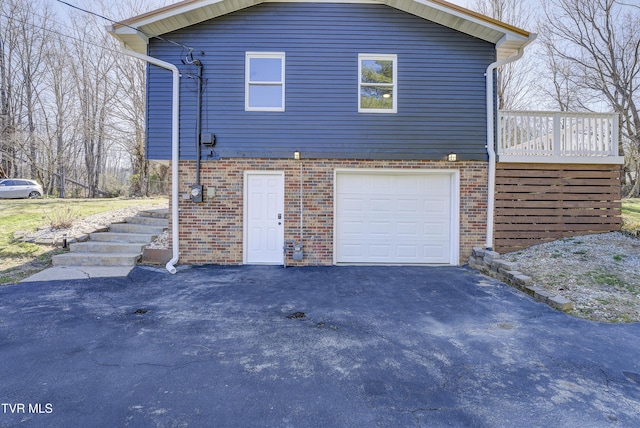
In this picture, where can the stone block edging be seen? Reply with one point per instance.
(490, 263)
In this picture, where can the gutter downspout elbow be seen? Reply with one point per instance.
(491, 181)
(175, 149)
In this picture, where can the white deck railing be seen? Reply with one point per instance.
(538, 136)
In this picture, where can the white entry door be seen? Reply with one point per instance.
(264, 217)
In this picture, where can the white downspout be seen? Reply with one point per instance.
(175, 153)
(491, 182)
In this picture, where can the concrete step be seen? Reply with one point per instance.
(121, 246)
(135, 228)
(143, 238)
(106, 247)
(95, 259)
(148, 221)
(158, 213)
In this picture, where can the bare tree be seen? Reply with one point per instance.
(512, 83)
(31, 37)
(601, 39)
(91, 73)
(130, 112)
(7, 119)
(59, 108)
(23, 44)
(560, 89)
(8, 105)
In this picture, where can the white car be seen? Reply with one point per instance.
(19, 188)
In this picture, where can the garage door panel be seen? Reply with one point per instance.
(379, 205)
(351, 251)
(400, 219)
(379, 250)
(408, 205)
(440, 183)
(353, 205)
(433, 236)
(355, 228)
(435, 226)
(407, 186)
(433, 251)
(356, 185)
(407, 229)
(380, 228)
(436, 208)
(407, 251)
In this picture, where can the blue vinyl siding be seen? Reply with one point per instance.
(441, 85)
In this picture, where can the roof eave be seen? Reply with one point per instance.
(508, 39)
(130, 38)
(510, 45)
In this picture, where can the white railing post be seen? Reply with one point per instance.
(615, 131)
(500, 128)
(557, 135)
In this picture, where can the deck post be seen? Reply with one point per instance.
(557, 136)
(615, 123)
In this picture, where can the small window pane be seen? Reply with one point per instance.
(376, 98)
(377, 71)
(265, 96)
(266, 70)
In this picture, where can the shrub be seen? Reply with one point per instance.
(63, 217)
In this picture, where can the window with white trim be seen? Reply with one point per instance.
(377, 83)
(264, 80)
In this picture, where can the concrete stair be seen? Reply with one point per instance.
(132, 238)
(122, 245)
(136, 228)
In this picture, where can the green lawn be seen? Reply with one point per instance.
(631, 216)
(17, 259)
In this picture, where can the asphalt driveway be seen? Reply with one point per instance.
(307, 347)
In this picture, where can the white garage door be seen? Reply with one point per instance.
(396, 217)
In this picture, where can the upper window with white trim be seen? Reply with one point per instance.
(264, 80)
(377, 83)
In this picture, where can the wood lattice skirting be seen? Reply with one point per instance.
(537, 203)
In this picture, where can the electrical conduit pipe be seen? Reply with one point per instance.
(175, 153)
(491, 182)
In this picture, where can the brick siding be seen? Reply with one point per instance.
(212, 232)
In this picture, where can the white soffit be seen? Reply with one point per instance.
(508, 39)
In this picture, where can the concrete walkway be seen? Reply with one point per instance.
(315, 347)
(66, 273)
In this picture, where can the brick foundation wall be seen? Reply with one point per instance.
(212, 232)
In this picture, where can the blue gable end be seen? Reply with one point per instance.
(441, 85)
